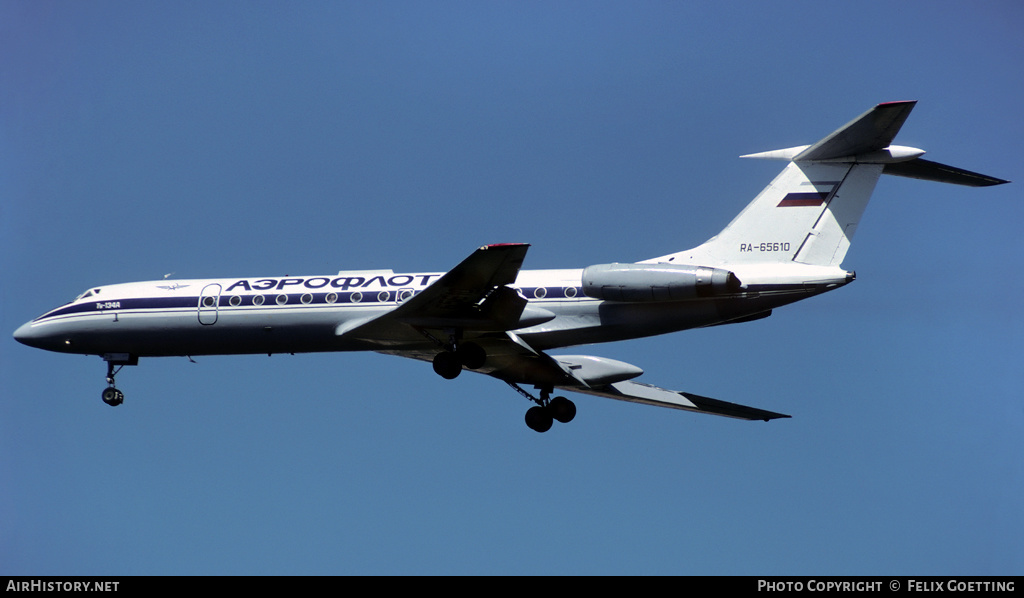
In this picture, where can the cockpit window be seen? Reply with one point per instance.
(88, 294)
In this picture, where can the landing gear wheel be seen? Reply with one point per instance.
(562, 409)
(447, 365)
(471, 355)
(113, 396)
(538, 419)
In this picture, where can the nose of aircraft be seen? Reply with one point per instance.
(30, 335)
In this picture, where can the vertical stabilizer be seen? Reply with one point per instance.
(809, 213)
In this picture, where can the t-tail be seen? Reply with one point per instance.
(809, 213)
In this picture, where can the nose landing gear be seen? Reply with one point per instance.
(111, 395)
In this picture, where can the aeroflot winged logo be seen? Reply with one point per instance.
(172, 287)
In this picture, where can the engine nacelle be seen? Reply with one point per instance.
(656, 282)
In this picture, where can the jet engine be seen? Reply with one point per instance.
(657, 282)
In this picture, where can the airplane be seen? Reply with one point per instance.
(490, 316)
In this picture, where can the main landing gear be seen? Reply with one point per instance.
(547, 411)
(449, 363)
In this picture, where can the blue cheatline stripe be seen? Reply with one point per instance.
(269, 301)
(124, 305)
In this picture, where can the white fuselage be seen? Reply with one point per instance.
(296, 314)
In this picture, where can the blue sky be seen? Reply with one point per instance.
(219, 139)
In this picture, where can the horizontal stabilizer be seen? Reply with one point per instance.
(872, 131)
(933, 171)
(867, 139)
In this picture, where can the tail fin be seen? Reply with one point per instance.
(810, 212)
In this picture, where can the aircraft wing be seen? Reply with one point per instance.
(472, 296)
(512, 360)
